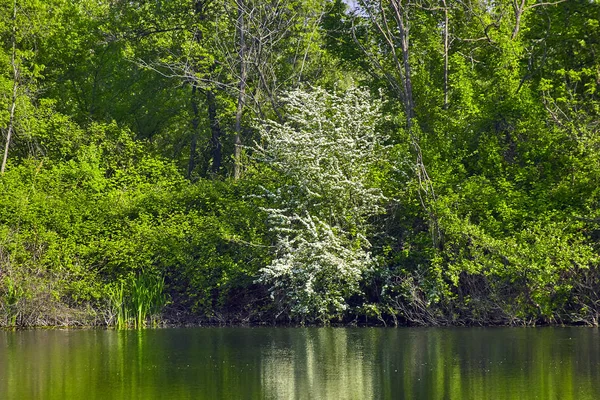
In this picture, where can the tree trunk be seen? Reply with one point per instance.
(404, 43)
(242, 91)
(194, 140)
(446, 50)
(215, 128)
(13, 103)
(518, 9)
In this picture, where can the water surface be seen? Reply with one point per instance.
(301, 363)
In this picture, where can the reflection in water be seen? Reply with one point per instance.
(323, 363)
(301, 363)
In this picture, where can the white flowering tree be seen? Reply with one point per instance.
(327, 149)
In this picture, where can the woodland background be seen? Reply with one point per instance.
(428, 162)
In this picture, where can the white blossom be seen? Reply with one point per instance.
(328, 148)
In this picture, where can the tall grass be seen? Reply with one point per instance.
(13, 293)
(137, 301)
(118, 307)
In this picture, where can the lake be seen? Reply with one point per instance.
(301, 363)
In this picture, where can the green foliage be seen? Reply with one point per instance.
(113, 211)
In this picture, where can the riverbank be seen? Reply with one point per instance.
(97, 320)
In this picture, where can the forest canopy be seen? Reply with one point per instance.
(422, 162)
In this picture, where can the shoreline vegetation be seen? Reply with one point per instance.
(299, 162)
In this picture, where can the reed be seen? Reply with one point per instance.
(12, 296)
(137, 300)
(147, 298)
(119, 314)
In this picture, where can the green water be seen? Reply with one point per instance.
(302, 363)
